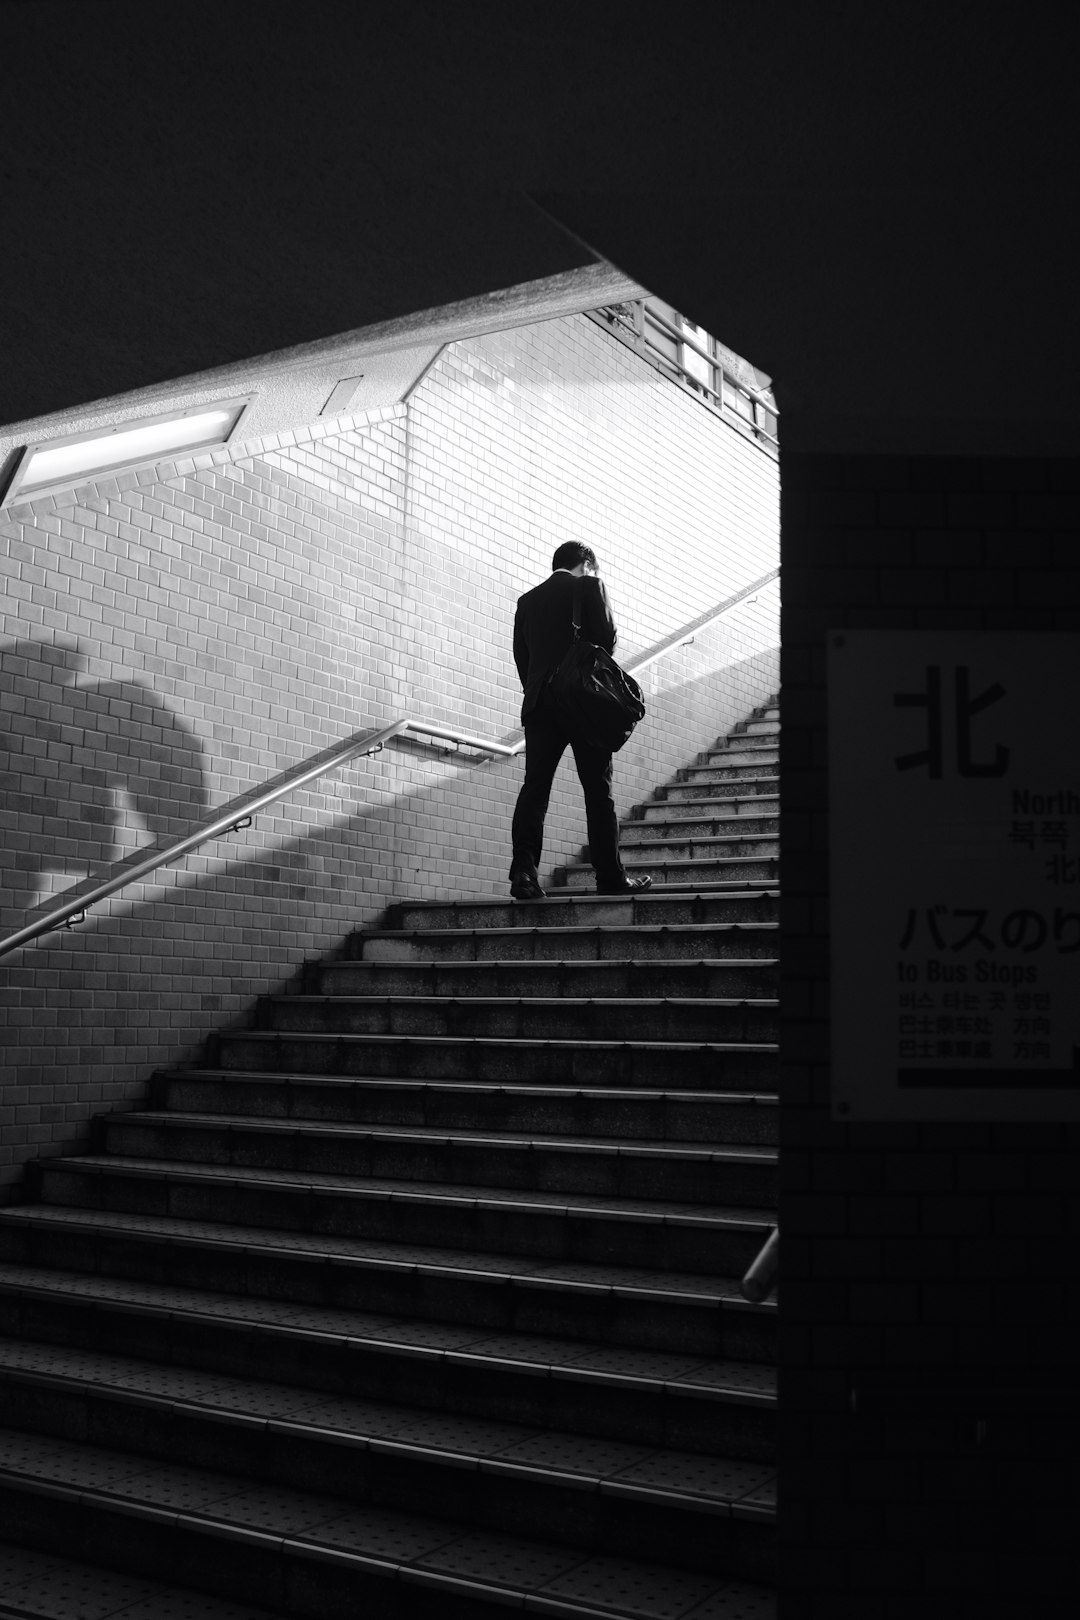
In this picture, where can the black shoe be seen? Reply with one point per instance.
(525, 886)
(625, 885)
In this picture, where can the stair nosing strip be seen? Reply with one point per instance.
(179, 1171)
(656, 1496)
(404, 934)
(676, 865)
(606, 1002)
(508, 1275)
(407, 1451)
(268, 1035)
(512, 1088)
(544, 963)
(752, 888)
(457, 1086)
(130, 1507)
(462, 1135)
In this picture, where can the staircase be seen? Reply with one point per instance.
(421, 1297)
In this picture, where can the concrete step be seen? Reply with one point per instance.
(309, 1554)
(763, 762)
(744, 767)
(678, 842)
(453, 1237)
(761, 806)
(637, 1396)
(47, 1585)
(665, 1235)
(752, 754)
(659, 976)
(693, 823)
(735, 1066)
(756, 747)
(753, 751)
(662, 1115)
(486, 1473)
(609, 1167)
(758, 936)
(668, 870)
(718, 786)
(511, 1018)
(607, 943)
(754, 902)
(286, 1302)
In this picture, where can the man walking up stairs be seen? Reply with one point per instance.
(421, 1297)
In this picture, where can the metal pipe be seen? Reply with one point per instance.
(689, 631)
(756, 394)
(370, 743)
(760, 399)
(760, 1280)
(447, 734)
(222, 824)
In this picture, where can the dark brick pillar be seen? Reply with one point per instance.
(940, 1252)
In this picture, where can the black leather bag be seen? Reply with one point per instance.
(599, 703)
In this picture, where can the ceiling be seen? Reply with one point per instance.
(872, 203)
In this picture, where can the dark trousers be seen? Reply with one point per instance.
(546, 740)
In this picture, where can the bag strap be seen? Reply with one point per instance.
(575, 604)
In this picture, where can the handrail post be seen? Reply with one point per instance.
(760, 1279)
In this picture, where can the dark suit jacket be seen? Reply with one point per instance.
(544, 628)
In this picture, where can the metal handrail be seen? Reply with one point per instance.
(683, 637)
(717, 396)
(463, 738)
(355, 748)
(232, 818)
(759, 399)
(760, 1279)
(761, 396)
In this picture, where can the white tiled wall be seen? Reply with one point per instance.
(171, 638)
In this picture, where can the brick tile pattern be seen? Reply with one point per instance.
(174, 636)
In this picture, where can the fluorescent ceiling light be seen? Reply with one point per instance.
(59, 463)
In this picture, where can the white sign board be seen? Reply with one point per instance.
(954, 850)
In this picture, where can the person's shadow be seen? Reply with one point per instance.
(79, 761)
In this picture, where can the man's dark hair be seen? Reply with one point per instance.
(571, 553)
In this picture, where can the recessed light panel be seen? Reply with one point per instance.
(58, 463)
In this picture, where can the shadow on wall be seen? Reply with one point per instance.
(82, 762)
(422, 841)
(141, 986)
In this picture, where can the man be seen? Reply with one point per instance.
(543, 631)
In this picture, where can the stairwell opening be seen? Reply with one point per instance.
(419, 1285)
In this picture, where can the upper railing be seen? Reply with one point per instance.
(241, 812)
(689, 355)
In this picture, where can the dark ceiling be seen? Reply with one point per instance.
(872, 202)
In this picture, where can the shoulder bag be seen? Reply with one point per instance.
(599, 702)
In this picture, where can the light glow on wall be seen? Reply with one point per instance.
(59, 463)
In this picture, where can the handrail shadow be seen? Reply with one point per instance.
(48, 916)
